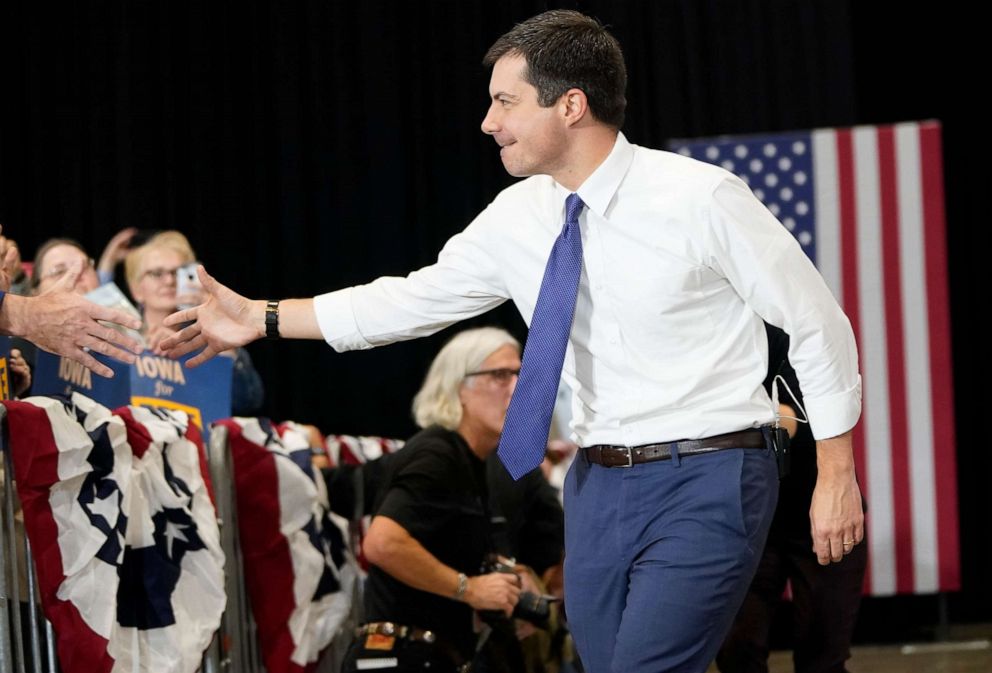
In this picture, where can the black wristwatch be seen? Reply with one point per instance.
(272, 319)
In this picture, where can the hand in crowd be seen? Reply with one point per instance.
(10, 260)
(116, 250)
(223, 321)
(528, 583)
(557, 451)
(20, 373)
(60, 321)
(528, 580)
(494, 591)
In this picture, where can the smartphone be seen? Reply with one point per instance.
(187, 282)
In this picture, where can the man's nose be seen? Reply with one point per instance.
(489, 123)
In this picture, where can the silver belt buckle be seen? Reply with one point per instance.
(630, 457)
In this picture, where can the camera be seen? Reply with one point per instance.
(531, 607)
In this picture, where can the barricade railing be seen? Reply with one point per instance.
(24, 632)
(238, 646)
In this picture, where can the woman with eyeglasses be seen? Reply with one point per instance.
(55, 257)
(152, 277)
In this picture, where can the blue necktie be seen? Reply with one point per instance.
(525, 432)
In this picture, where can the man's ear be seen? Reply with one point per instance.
(575, 106)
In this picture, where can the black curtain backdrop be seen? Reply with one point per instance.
(307, 146)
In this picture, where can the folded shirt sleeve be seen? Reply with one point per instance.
(769, 270)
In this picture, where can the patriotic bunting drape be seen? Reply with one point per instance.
(124, 533)
(299, 573)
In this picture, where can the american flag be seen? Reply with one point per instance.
(867, 206)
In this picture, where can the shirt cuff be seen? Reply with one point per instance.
(336, 319)
(836, 414)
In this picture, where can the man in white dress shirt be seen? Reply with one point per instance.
(680, 264)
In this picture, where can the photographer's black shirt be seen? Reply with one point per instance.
(435, 489)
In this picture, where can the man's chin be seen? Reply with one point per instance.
(517, 171)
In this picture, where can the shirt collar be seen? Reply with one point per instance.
(599, 188)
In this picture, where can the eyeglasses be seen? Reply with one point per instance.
(158, 273)
(60, 270)
(503, 375)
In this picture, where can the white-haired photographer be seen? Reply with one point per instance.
(430, 539)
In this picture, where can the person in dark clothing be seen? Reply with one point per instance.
(431, 532)
(529, 524)
(825, 597)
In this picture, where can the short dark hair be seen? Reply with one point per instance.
(566, 49)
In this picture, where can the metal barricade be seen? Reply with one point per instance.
(237, 638)
(24, 633)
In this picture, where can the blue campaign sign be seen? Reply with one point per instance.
(55, 375)
(204, 393)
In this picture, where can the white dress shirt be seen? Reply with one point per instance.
(680, 265)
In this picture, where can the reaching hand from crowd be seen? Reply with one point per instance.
(20, 373)
(10, 260)
(116, 250)
(62, 322)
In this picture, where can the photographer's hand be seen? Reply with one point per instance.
(392, 548)
(495, 591)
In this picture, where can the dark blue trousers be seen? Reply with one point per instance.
(658, 556)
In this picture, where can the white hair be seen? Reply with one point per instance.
(438, 402)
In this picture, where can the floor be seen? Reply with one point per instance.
(968, 649)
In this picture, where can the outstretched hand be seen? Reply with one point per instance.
(223, 321)
(63, 322)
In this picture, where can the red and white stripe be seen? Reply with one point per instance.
(276, 500)
(881, 247)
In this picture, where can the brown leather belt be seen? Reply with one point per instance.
(398, 630)
(413, 634)
(623, 456)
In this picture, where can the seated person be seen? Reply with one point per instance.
(151, 278)
(430, 535)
